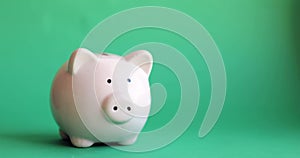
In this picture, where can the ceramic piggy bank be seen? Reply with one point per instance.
(102, 97)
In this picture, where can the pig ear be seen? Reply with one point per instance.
(141, 58)
(78, 58)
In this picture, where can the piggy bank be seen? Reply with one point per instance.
(102, 97)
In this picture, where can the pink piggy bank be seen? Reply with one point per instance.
(102, 97)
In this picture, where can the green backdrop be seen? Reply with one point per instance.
(260, 45)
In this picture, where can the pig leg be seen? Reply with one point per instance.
(63, 135)
(129, 141)
(81, 142)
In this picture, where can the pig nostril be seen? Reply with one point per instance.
(108, 81)
(128, 108)
(115, 108)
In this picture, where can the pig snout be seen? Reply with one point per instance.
(117, 110)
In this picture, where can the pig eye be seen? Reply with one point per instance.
(108, 81)
(128, 80)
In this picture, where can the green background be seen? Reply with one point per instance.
(260, 46)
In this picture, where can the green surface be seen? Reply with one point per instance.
(259, 41)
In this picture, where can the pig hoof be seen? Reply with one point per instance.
(81, 143)
(63, 135)
(128, 141)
